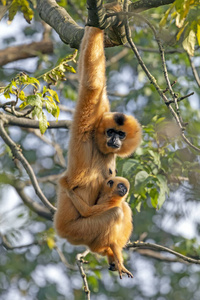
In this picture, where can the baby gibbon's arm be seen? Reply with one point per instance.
(84, 209)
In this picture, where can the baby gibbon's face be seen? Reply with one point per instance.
(118, 133)
(116, 186)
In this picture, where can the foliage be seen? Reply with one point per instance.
(186, 14)
(19, 5)
(164, 171)
(46, 98)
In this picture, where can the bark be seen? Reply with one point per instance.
(25, 51)
(71, 33)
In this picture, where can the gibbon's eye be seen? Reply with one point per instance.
(121, 135)
(109, 132)
(110, 183)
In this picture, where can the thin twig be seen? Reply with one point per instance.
(63, 259)
(80, 262)
(194, 70)
(77, 10)
(174, 113)
(144, 245)
(8, 246)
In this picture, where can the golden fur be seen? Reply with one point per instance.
(90, 161)
(112, 209)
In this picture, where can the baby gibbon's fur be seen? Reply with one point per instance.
(97, 136)
(112, 209)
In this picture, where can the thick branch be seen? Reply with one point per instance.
(29, 123)
(142, 5)
(58, 18)
(70, 33)
(25, 51)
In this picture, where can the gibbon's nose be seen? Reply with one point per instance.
(122, 189)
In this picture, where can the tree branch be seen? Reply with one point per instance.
(58, 18)
(34, 206)
(25, 51)
(71, 33)
(16, 151)
(144, 245)
(175, 112)
(80, 262)
(29, 123)
(8, 246)
(142, 5)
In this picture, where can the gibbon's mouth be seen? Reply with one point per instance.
(113, 145)
(122, 189)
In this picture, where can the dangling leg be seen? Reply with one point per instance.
(117, 251)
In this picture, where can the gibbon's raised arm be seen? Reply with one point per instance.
(92, 99)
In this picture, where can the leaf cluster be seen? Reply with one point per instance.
(186, 14)
(58, 73)
(47, 98)
(19, 5)
(35, 102)
(156, 165)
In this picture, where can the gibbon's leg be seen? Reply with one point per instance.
(111, 260)
(94, 231)
(117, 251)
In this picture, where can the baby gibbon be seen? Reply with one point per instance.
(97, 137)
(111, 235)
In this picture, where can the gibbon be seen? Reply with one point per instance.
(97, 137)
(110, 206)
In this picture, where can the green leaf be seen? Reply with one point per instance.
(154, 197)
(43, 124)
(7, 94)
(128, 165)
(141, 180)
(54, 95)
(34, 100)
(198, 33)
(156, 157)
(22, 96)
(140, 177)
(13, 10)
(162, 183)
(33, 81)
(189, 43)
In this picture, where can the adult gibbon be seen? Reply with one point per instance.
(110, 206)
(97, 137)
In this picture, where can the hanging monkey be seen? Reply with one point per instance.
(97, 137)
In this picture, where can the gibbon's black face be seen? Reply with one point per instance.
(121, 188)
(118, 134)
(115, 138)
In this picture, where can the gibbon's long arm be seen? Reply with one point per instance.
(92, 99)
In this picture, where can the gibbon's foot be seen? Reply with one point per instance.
(112, 267)
(122, 269)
